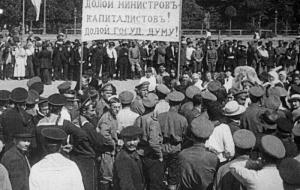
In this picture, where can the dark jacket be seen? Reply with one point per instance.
(17, 167)
(197, 167)
(128, 172)
(45, 59)
(59, 58)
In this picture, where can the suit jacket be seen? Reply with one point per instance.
(45, 59)
(18, 168)
(128, 172)
(169, 54)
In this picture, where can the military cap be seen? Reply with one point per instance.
(201, 127)
(107, 87)
(93, 93)
(278, 91)
(18, 95)
(272, 102)
(244, 139)
(236, 92)
(64, 86)
(214, 86)
(38, 87)
(269, 119)
(23, 134)
(4, 95)
(143, 85)
(131, 132)
(54, 135)
(175, 96)
(43, 102)
(284, 125)
(162, 89)
(244, 82)
(256, 91)
(150, 101)
(191, 91)
(273, 146)
(289, 170)
(33, 80)
(57, 100)
(70, 95)
(33, 97)
(207, 95)
(126, 97)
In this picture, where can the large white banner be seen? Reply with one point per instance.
(131, 19)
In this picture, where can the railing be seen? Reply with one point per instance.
(37, 30)
(73, 31)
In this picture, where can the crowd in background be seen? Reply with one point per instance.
(235, 127)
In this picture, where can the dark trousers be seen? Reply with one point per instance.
(29, 69)
(58, 72)
(154, 173)
(87, 167)
(123, 70)
(172, 166)
(66, 71)
(37, 70)
(230, 64)
(7, 71)
(73, 72)
(46, 78)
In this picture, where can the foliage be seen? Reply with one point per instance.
(230, 11)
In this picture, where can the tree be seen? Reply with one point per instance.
(230, 12)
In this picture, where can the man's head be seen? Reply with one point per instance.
(53, 139)
(115, 105)
(142, 89)
(106, 91)
(131, 137)
(195, 77)
(148, 72)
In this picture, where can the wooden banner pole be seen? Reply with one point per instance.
(180, 35)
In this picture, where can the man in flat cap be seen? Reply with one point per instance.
(15, 159)
(268, 177)
(162, 106)
(55, 171)
(174, 127)
(141, 92)
(108, 126)
(197, 164)
(151, 144)
(126, 117)
(244, 141)
(249, 119)
(128, 169)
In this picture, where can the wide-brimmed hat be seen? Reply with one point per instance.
(232, 108)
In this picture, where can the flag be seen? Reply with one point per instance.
(37, 7)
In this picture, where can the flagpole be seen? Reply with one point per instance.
(180, 34)
(45, 16)
(23, 21)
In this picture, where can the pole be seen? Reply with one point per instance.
(180, 34)
(45, 16)
(276, 14)
(23, 21)
(75, 17)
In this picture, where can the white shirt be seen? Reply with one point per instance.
(55, 172)
(228, 83)
(151, 80)
(126, 118)
(221, 141)
(65, 115)
(199, 84)
(266, 178)
(189, 53)
(112, 53)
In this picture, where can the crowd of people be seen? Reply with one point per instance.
(235, 127)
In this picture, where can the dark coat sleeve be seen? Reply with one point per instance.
(124, 175)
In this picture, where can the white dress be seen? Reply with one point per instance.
(21, 62)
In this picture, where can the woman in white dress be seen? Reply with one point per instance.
(21, 61)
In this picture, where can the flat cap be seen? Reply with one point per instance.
(284, 125)
(38, 87)
(289, 170)
(4, 95)
(33, 80)
(191, 91)
(163, 89)
(207, 95)
(244, 139)
(175, 96)
(54, 135)
(273, 146)
(64, 86)
(143, 85)
(18, 95)
(272, 102)
(33, 97)
(131, 131)
(256, 91)
(201, 127)
(150, 101)
(57, 100)
(126, 97)
(214, 86)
